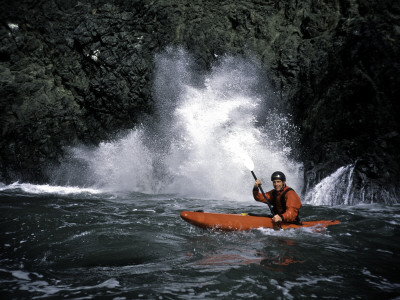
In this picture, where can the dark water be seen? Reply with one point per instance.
(85, 244)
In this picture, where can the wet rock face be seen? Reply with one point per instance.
(80, 71)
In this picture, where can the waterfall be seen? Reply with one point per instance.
(343, 188)
(335, 189)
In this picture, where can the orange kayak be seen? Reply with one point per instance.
(231, 222)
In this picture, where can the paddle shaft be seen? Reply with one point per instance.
(265, 198)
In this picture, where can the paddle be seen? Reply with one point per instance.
(265, 198)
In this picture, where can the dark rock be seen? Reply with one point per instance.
(79, 71)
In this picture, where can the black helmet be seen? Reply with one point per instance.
(278, 175)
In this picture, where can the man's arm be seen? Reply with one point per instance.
(293, 205)
(257, 195)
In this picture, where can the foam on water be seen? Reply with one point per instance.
(201, 140)
(48, 189)
(302, 281)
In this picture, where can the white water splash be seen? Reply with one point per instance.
(126, 164)
(201, 141)
(13, 26)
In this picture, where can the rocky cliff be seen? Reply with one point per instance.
(80, 71)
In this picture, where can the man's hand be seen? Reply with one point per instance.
(257, 183)
(277, 219)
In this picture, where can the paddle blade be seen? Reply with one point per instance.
(248, 162)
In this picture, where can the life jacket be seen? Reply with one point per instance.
(283, 203)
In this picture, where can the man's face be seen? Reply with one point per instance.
(278, 184)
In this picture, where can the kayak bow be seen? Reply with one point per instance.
(232, 222)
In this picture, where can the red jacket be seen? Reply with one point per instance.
(292, 200)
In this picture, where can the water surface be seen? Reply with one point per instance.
(84, 244)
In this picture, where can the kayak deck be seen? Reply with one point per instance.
(233, 222)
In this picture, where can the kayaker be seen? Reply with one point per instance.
(285, 201)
